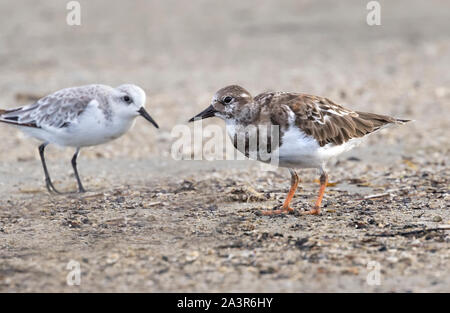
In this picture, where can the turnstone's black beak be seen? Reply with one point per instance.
(147, 116)
(209, 112)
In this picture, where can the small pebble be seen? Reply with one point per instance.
(437, 219)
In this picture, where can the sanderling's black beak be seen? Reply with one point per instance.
(147, 116)
(209, 112)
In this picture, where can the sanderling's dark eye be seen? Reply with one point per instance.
(127, 99)
(227, 99)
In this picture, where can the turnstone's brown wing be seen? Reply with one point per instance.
(325, 120)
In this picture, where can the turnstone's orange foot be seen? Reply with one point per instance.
(299, 130)
(314, 211)
(285, 208)
(277, 212)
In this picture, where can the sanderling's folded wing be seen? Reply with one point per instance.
(56, 110)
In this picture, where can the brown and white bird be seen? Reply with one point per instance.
(310, 130)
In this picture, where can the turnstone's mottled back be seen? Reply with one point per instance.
(311, 129)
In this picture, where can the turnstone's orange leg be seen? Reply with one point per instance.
(323, 184)
(285, 208)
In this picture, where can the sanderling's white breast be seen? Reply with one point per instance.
(79, 117)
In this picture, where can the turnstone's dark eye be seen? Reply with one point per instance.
(227, 99)
(127, 99)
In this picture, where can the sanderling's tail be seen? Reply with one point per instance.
(2, 111)
(11, 117)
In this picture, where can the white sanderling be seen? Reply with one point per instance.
(79, 117)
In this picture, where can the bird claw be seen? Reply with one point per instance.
(313, 211)
(281, 211)
(51, 188)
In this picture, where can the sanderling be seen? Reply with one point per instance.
(311, 129)
(79, 117)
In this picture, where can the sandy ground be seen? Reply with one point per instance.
(151, 223)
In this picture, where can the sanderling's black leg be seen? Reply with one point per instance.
(74, 165)
(48, 181)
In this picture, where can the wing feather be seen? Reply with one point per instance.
(327, 121)
(56, 110)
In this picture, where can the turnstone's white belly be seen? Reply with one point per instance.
(298, 150)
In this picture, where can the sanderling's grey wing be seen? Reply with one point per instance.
(56, 110)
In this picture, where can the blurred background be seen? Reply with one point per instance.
(181, 52)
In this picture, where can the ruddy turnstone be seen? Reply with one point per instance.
(311, 129)
(79, 117)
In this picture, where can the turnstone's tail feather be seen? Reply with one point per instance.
(401, 121)
(381, 119)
